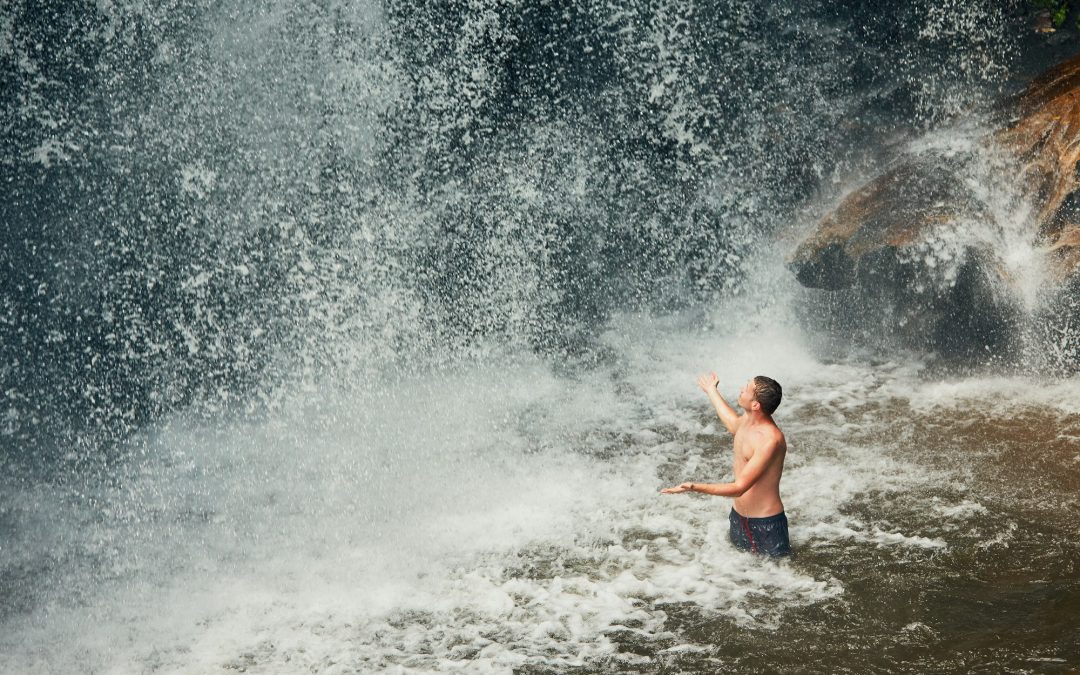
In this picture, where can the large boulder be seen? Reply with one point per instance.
(1043, 134)
(1064, 253)
(891, 212)
(940, 250)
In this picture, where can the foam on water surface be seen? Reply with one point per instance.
(334, 194)
(487, 518)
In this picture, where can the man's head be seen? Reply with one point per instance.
(761, 393)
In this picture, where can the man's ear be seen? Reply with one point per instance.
(755, 405)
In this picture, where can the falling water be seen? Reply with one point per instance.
(359, 337)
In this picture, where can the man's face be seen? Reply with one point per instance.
(747, 395)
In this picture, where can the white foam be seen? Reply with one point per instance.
(963, 510)
(486, 518)
(1000, 539)
(321, 536)
(997, 394)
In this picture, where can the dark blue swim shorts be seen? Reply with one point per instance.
(767, 536)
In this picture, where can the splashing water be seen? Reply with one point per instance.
(360, 338)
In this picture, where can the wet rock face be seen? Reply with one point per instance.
(923, 252)
(1043, 133)
(891, 212)
(894, 300)
(1064, 254)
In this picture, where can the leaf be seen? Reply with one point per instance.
(1060, 14)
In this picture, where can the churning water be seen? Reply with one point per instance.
(347, 337)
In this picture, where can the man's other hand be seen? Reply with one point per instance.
(708, 382)
(685, 487)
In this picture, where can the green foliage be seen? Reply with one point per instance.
(1059, 11)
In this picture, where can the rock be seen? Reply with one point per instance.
(891, 211)
(922, 254)
(1064, 254)
(1044, 23)
(1044, 136)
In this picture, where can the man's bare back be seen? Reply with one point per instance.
(759, 452)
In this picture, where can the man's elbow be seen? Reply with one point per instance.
(740, 489)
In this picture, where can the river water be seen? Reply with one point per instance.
(506, 517)
(361, 338)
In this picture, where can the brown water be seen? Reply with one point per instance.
(1001, 591)
(519, 528)
(1004, 596)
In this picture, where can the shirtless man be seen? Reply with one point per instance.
(758, 523)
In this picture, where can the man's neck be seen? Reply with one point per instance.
(756, 417)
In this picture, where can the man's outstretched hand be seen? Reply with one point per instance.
(685, 487)
(708, 382)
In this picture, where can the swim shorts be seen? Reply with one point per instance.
(766, 536)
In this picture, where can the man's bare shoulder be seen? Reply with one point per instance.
(767, 436)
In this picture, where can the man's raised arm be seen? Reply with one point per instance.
(727, 414)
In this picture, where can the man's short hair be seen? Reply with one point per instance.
(768, 393)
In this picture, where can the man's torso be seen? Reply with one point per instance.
(763, 498)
